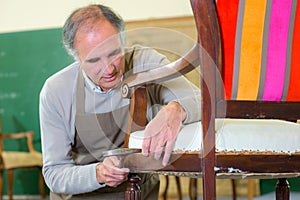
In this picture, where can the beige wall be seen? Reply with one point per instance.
(20, 15)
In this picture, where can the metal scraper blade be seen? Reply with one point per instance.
(136, 161)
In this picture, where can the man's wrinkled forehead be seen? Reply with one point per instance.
(106, 48)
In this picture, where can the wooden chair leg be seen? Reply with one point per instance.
(1, 184)
(133, 191)
(178, 185)
(193, 190)
(41, 184)
(10, 180)
(165, 195)
(282, 189)
(178, 188)
(233, 187)
(251, 186)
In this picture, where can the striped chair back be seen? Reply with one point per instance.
(261, 49)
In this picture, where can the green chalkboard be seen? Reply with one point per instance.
(26, 60)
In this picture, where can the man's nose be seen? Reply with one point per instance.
(109, 69)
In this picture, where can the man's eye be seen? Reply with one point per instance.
(93, 60)
(115, 53)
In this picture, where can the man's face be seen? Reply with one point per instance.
(100, 51)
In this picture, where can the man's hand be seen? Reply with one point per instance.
(161, 132)
(109, 173)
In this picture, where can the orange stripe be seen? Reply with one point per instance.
(228, 18)
(251, 49)
(294, 86)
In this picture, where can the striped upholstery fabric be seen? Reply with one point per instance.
(261, 49)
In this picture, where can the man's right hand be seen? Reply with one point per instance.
(109, 173)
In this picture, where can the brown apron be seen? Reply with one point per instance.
(99, 132)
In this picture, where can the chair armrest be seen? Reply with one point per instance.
(177, 68)
(28, 135)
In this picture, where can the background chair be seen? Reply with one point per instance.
(11, 160)
(264, 55)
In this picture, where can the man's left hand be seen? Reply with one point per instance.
(161, 132)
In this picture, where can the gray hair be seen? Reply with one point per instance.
(85, 17)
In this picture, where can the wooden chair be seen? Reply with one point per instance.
(247, 50)
(11, 160)
(260, 43)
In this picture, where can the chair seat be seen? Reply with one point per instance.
(13, 159)
(238, 135)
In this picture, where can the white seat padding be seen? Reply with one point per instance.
(237, 135)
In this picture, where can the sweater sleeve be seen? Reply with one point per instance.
(179, 89)
(60, 172)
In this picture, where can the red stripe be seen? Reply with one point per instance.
(294, 86)
(228, 19)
